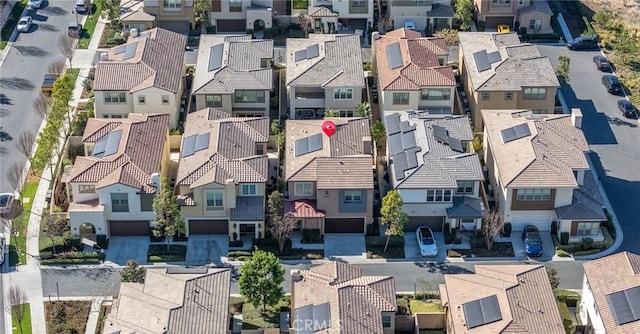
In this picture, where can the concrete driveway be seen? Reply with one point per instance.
(121, 249)
(412, 250)
(205, 249)
(345, 246)
(548, 248)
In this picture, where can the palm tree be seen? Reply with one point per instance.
(363, 109)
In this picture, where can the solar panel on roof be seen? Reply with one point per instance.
(494, 57)
(456, 144)
(119, 49)
(300, 55)
(515, 132)
(130, 51)
(304, 315)
(412, 157)
(625, 305)
(408, 140)
(393, 123)
(99, 147)
(301, 146)
(215, 57)
(400, 164)
(315, 143)
(405, 127)
(440, 133)
(113, 142)
(202, 142)
(482, 61)
(321, 316)
(481, 312)
(313, 51)
(394, 56)
(395, 143)
(189, 145)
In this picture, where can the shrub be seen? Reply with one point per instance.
(394, 241)
(72, 241)
(506, 230)
(476, 144)
(477, 242)
(564, 238)
(481, 25)
(373, 229)
(554, 227)
(311, 235)
(608, 239)
(587, 252)
(87, 85)
(238, 254)
(566, 316)
(102, 241)
(212, 29)
(587, 243)
(314, 256)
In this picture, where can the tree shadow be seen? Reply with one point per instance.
(621, 122)
(3, 150)
(4, 112)
(5, 100)
(4, 136)
(53, 10)
(442, 268)
(47, 27)
(31, 51)
(15, 83)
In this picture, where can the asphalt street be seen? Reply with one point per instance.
(21, 76)
(612, 137)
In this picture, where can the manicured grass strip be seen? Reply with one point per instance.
(11, 23)
(20, 225)
(160, 253)
(90, 26)
(254, 318)
(424, 306)
(26, 322)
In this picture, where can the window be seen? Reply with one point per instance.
(485, 96)
(400, 98)
(420, 2)
(172, 4)
(116, 116)
(467, 221)
(214, 201)
(303, 189)
(165, 99)
(538, 111)
(501, 2)
(386, 321)
(259, 149)
(588, 229)
(435, 94)
(508, 95)
(343, 94)
(119, 202)
(439, 195)
(249, 96)
(353, 196)
(248, 189)
(536, 93)
(87, 189)
(534, 195)
(146, 202)
(535, 24)
(358, 3)
(142, 99)
(235, 5)
(213, 101)
(346, 113)
(465, 187)
(115, 97)
(520, 3)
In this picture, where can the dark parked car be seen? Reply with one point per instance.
(612, 84)
(532, 241)
(602, 63)
(627, 108)
(584, 43)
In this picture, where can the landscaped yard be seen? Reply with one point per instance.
(12, 21)
(254, 318)
(499, 249)
(291, 254)
(90, 26)
(102, 316)
(375, 247)
(68, 316)
(26, 322)
(19, 242)
(300, 4)
(417, 305)
(160, 253)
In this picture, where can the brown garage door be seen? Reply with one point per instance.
(344, 225)
(232, 25)
(181, 27)
(493, 21)
(435, 222)
(129, 228)
(208, 227)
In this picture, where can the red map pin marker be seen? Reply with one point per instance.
(329, 128)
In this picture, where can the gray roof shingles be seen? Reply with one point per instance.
(248, 208)
(465, 207)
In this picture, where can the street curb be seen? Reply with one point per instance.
(14, 33)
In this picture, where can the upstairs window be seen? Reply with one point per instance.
(528, 195)
(115, 97)
(172, 4)
(343, 94)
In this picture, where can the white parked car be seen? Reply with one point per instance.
(24, 24)
(409, 25)
(2, 245)
(34, 4)
(6, 201)
(426, 241)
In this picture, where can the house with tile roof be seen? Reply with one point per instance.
(499, 72)
(133, 16)
(610, 300)
(144, 76)
(173, 301)
(501, 299)
(241, 15)
(422, 14)
(430, 165)
(222, 173)
(337, 16)
(324, 71)
(329, 179)
(335, 298)
(532, 15)
(113, 185)
(412, 72)
(539, 173)
(174, 15)
(233, 74)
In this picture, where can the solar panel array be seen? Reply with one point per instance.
(402, 143)
(312, 318)
(119, 49)
(494, 57)
(625, 305)
(130, 51)
(515, 132)
(482, 61)
(313, 51)
(308, 144)
(215, 57)
(394, 56)
(300, 55)
(195, 143)
(482, 311)
(107, 145)
(442, 136)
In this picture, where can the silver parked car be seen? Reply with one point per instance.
(24, 24)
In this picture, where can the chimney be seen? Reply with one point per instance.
(576, 117)
(367, 147)
(155, 180)
(104, 56)
(133, 33)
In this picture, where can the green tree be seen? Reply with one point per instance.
(464, 13)
(110, 9)
(261, 279)
(132, 272)
(450, 36)
(563, 67)
(276, 203)
(392, 215)
(492, 224)
(363, 109)
(169, 222)
(377, 131)
(201, 10)
(553, 277)
(54, 225)
(331, 113)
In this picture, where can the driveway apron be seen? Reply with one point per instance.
(121, 249)
(344, 246)
(205, 249)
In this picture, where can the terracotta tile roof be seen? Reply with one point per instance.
(537, 6)
(356, 301)
(132, 10)
(545, 158)
(609, 275)
(321, 11)
(525, 299)
(303, 208)
(420, 65)
(139, 154)
(157, 62)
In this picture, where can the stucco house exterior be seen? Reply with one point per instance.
(336, 298)
(344, 15)
(611, 294)
(133, 16)
(233, 74)
(241, 15)
(324, 71)
(144, 76)
(534, 15)
(499, 72)
(433, 171)
(174, 15)
(329, 179)
(539, 173)
(412, 72)
(222, 173)
(113, 185)
(423, 14)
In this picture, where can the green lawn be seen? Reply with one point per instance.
(90, 26)
(73, 74)
(425, 306)
(300, 4)
(160, 253)
(254, 318)
(20, 225)
(11, 22)
(26, 322)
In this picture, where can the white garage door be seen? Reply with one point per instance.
(543, 223)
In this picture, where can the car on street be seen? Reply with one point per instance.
(602, 63)
(612, 84)
(24, 24)
(627, 108)
(2, 245)
(6, 201)
(532, 241)
(503, 28)
(82, 6)
(34, 4)
(584, 43)
(426, 241)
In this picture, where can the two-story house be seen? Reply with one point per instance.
(500, 299)
(133, 16)
(539, 172)
(533, 15)
(431, 168)
(324, 72)
(329, 179)
(411, 72)
(344, 15)
(233, 74)
(499, 72)
(421, 14)
(611, 294)
(241, 15)
(336, 298)
(144, 76)
(222, 173)
(174, 15)
(113, 185)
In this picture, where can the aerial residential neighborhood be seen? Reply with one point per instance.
(319, 166)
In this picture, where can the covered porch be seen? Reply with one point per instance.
(259, 17)
(323, 20)
(466, 213)
(440, 17)
(247, 218)
(87, 219)
(583, 217)
(307, 213)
